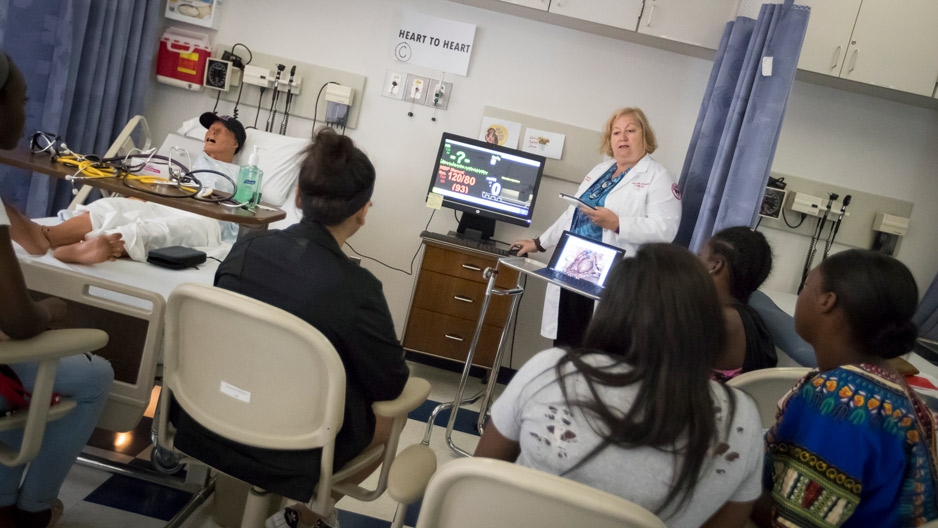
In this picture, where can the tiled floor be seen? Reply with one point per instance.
(95, 498)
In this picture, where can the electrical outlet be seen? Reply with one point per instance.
(416, 89)
(393, 85)
(439, 98)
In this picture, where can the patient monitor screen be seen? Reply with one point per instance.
(488, 180)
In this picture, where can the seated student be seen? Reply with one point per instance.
(111, 228)
(633, 411)
(739, 260)
(303, 270)
(31, 501)
(853, 446)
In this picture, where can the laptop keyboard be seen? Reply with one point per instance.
(466, 242)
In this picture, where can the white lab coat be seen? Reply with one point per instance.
(649, 210)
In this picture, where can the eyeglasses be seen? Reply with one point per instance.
(45, 142)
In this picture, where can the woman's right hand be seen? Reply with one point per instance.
(525, 247)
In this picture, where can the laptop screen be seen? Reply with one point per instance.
(584, 258)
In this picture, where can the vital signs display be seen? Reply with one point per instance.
(487, 180)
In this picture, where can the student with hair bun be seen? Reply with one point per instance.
(303, 270)
(739, 260)
(853, 445)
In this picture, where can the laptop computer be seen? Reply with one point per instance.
(581, 263)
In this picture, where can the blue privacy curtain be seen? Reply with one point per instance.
(733, 144)
(87, 64)
(926, 317)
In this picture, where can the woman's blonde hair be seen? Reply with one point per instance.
(648, 135)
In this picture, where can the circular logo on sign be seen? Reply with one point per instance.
(676, 191)
(403, 52)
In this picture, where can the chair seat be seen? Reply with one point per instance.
(410, 473)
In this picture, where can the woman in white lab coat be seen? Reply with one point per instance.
(637, 201)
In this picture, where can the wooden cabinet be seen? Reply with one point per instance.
(879, 42)
(535, 4)
(447, 301)
(689, 21)
(617, 13)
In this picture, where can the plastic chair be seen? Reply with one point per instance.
(473, 492)
(767, 387)
(255, 374)
(46, 348)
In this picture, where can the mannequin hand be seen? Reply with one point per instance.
(525, 247)
(602, 217)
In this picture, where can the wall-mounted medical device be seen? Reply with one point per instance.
(888, 229)
(218, 74)
(182, 58)
(205, 13)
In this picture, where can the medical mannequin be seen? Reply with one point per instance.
(111, 228)
(31, 501)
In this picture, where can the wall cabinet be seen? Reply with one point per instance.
(535, 4)
(878, 42)
(447, 300)
(689, 21)
(617, 13)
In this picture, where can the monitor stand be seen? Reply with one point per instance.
(476, 227)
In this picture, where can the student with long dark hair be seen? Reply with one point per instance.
(854, 445)
(739, 260)
(633, 411)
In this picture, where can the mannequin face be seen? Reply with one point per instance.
(220, 143)
(13, 110)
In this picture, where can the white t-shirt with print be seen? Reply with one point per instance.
(554, 437)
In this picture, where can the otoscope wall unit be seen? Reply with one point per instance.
(309, 79)
(810, 198)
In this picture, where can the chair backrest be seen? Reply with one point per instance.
(474, 492)
(767, 387)
(252, 372)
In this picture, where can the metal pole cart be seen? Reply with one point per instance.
(525, 267)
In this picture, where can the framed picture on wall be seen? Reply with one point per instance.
(772, 203)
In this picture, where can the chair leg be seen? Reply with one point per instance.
(255, 509)
(399, 514)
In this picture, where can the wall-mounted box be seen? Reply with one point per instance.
(887, 223)
(203, 13)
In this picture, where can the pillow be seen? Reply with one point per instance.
(278, 157)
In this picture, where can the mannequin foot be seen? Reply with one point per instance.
(92, 251)
(33, 237)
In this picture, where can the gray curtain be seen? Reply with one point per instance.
(926, 317)
(733, 144)
(87, 64)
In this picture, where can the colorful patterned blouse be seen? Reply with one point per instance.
(851, 447)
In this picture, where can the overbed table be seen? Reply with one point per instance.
(22, 158)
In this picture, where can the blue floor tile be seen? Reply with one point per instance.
(465, 419)
(137, 496)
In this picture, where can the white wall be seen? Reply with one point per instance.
(568, 76)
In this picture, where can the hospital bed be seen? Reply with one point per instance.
(126, 298)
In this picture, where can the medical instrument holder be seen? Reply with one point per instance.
(486, 393)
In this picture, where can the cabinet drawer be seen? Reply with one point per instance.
(450, 337)
(460, 298)
(465, 265)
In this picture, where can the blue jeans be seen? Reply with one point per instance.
(782, 327)
(84, 378)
